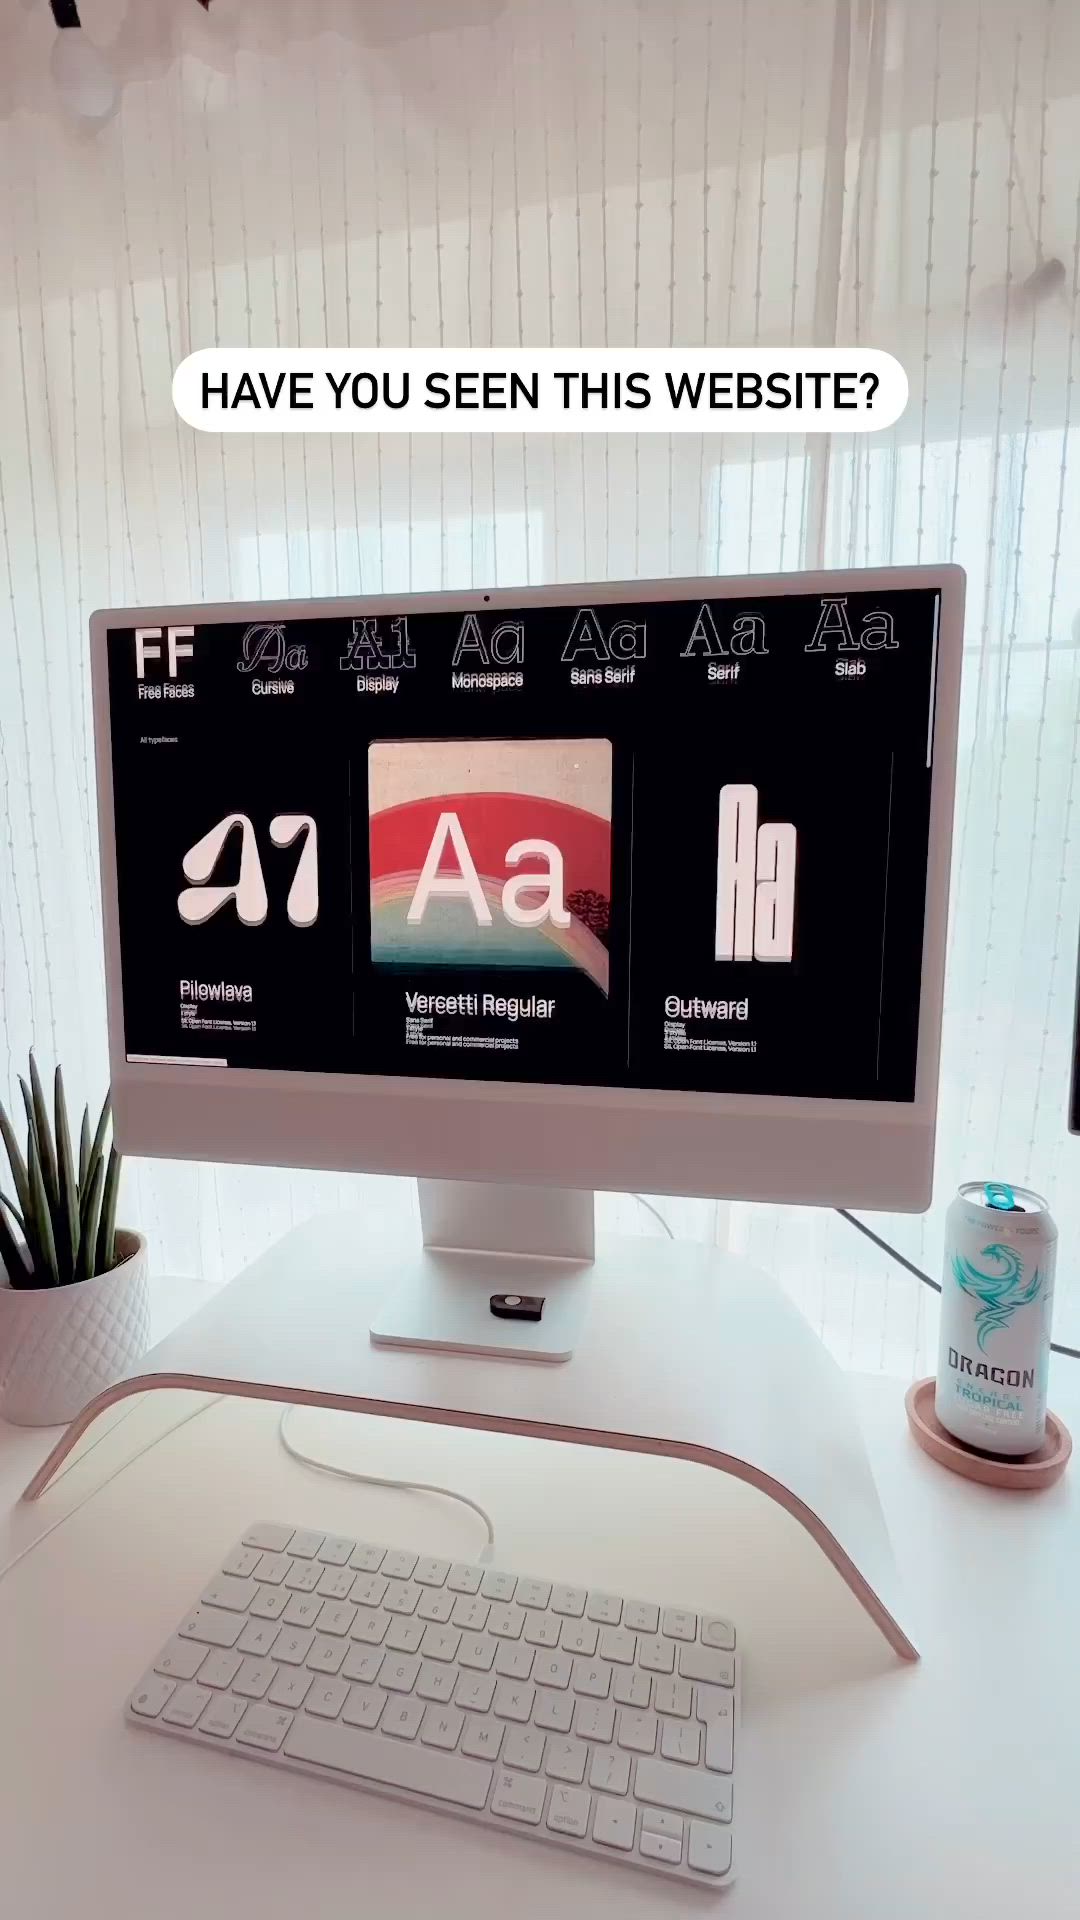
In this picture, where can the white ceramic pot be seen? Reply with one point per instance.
(59, 1346)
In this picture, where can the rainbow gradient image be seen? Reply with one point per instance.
(457, 879)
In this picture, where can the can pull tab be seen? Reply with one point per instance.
(1001, 1197)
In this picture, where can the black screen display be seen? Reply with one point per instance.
(666, 844)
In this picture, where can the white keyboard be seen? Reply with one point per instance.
(577, 1717)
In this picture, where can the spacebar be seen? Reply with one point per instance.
(371, 1757)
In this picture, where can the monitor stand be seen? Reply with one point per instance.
(483, 1241)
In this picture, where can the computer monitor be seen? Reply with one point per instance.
(633, 885)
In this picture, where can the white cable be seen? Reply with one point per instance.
(375, 1480)
(655, 1211)
(108, 1480)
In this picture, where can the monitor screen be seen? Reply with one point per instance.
(674, 842)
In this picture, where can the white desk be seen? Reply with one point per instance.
(865, 1786)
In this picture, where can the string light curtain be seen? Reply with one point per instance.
(576, 171)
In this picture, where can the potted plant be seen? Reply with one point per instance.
(74, 1301)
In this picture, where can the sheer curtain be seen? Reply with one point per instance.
(558, 171)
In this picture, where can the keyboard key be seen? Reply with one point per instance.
(523, 1748)
(293, 1645)
(542, 1629)
(305, 1544)
(475, 1691)
(671, 1695)
(264, 1727)
(631, 1688)
(569, 1601)
(222, 1716)
(270, 1603)
(679, 1625)
(605, 1608)
(554, 1711)
(336, 1616)
(710, 1847)
(717, 1633)
(367, 1559)
(326, 1698)
(272, 1568)
(181, 1659)
(431, 1572)
(213, 1627)
(253, 1678)
(419, 1769)
(290, 1687)
(404, 1634)
(336, 1551)
(657, 1846)
(684, 1789)
(370, 1626)
(618, 1645)
(592, 1677)
(637, 1731)
(579, 1636)
(399, 1565)
(553, 1669)
(594, 1720)
(437, 1605)
(440, 1643)
(506, 1622)
(148, 1700)
(514, 1660)
(656, 1656)
(681, 1740)
(401, 1596)
(471, 1613)
(703, 1663)
(441, 1727)
(482, 1738)
(242, 1562)
(566, 1760)
(719, 1756)
(514, 1699)
(327, 1654)
(369, 1589)
(499, 1586)
(518, 1796)
(363, 1663)
(187, 1703)
(658, 1820)
(269, 1539)
(401, 1718)
(303, 1610)
(568, 1811)
(476, 1650)
(399, 1671)
(641, 1616)
(363, 1706)
(257, 1638)
(219, 1669)
(463, 1578)
(303, 1576)
(614, 1824)
(437, 1681)
(610, 1771)
(336, 1583)
(533, 1593)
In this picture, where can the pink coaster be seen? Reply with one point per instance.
(1026, 1474)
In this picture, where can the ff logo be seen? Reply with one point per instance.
(755, 881)
(177, 646)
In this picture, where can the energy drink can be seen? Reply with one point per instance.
(996, 1300)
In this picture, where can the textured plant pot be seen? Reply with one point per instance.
(59, 1346)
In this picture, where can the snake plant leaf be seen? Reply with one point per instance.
(106, 1240)
(6, 1201)
(47, 1271)
(67, 1215)
(84, 1147)
(98, 1145)
(12, 1258)
(16, 1161)
(44, 1137)
(88, 1222)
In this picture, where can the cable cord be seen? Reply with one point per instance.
(376, 1480)
(655, 1211)
(41, 1538)
(1069, 1353)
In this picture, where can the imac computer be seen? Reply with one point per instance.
(528, 892)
